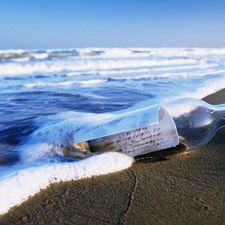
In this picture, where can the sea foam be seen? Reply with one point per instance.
(51, 67)
(18, 186)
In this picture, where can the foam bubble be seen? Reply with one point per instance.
(18, 186)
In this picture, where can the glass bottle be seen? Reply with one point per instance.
(191, 122)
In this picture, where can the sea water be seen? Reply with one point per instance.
(46, 95)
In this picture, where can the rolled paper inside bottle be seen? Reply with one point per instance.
(143, 140)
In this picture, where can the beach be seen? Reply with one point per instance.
(169, 187)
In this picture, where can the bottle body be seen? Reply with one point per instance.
(191, 122)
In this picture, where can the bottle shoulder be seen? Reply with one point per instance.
(196, 120)
(188, 105)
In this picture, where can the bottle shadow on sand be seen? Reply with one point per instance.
(162, 155)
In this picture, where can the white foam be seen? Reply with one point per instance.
(65, 83)
(109, 59)
(19, 186)
(168, 52)
(91, 82)
(208, 88)
(117, 52)
(50, 67)
(18, 51)
(144, 70)
(58, 131)
(45, 84)
(192, 74)
(25, 59)
(40, 55)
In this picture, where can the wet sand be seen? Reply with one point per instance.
(170, 187)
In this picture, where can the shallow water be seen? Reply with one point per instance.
(47, 94)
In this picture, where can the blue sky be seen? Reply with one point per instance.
(111, 23)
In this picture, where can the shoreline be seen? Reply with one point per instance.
(182, 187)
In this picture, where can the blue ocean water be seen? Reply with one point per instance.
(53, 89)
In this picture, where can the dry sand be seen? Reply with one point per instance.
(177, 187)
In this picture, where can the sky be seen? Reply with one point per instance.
(35, 24)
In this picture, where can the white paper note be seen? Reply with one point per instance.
(142, 140)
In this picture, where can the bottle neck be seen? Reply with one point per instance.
(220, 107)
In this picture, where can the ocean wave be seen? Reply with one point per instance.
(65, 83)
(40, 54)
(87, 65)
(143, 70)
(123, 78)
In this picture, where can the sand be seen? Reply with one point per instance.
(169, 187)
